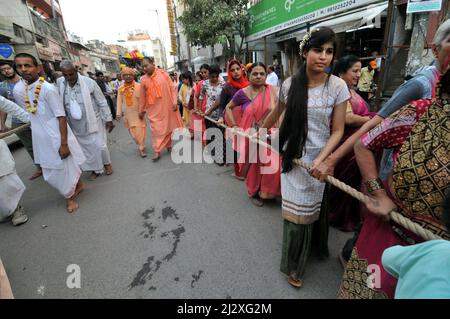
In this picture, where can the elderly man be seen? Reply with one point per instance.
(54, 145)
(128, 105)
(89, 116)
(11, 186)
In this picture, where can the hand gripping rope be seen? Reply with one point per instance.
(396, 217)
(13, 131)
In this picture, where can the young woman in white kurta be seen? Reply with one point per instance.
(311, 100)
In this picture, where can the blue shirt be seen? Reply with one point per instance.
(423, 270)
(6, 90)
(421, 86)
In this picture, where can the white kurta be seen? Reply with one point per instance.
(61, 174)
(302, 194)
(93, 143)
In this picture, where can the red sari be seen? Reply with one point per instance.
(260, 166)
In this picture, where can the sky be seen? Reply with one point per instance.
(109, 20)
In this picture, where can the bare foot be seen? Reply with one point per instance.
(80, 187)
(36, 174)
(93, 176)
(108, 169)
(72, 205)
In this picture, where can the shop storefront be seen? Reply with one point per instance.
(359, 25)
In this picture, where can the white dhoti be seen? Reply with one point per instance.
(65, 179)
(91, 145)
(106, 157)
(11, 190)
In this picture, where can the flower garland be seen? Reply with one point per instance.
(305, 40)
(33, 108)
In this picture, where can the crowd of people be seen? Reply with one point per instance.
(399, 156)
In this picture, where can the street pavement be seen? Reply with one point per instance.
(155, 230)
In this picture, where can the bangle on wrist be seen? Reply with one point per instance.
(373, 185)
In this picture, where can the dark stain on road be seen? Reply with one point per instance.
(177, 279)
(196, 278)
(146, 273)
(169, 212)
(176, 234)
(151, 225)
(148, 212)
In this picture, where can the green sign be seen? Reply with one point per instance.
(270, 16)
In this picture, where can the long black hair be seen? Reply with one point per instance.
(187, 75)
(294, 129)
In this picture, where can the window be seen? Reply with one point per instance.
(41, 40)
(18, 31)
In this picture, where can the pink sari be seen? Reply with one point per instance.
(262, 170)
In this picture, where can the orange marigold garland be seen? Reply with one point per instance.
(33, 108)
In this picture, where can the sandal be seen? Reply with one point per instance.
(156, 157)
(257, 201)
(297, 283)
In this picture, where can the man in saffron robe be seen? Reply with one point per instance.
(128, 104)
(159, 99)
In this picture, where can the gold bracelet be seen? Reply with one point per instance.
(374, 185)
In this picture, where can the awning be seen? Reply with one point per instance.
(349, 21)
(355, 20)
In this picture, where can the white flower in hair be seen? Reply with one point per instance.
(305, 40)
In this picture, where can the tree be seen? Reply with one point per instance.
(208, 22)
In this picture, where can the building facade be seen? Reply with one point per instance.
(35, 27)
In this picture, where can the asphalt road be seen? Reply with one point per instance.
(154, 230)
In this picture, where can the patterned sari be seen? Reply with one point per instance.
(419, 133)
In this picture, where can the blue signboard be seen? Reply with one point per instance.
(6, 50)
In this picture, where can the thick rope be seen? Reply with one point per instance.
(396, 217)
(14, 131)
